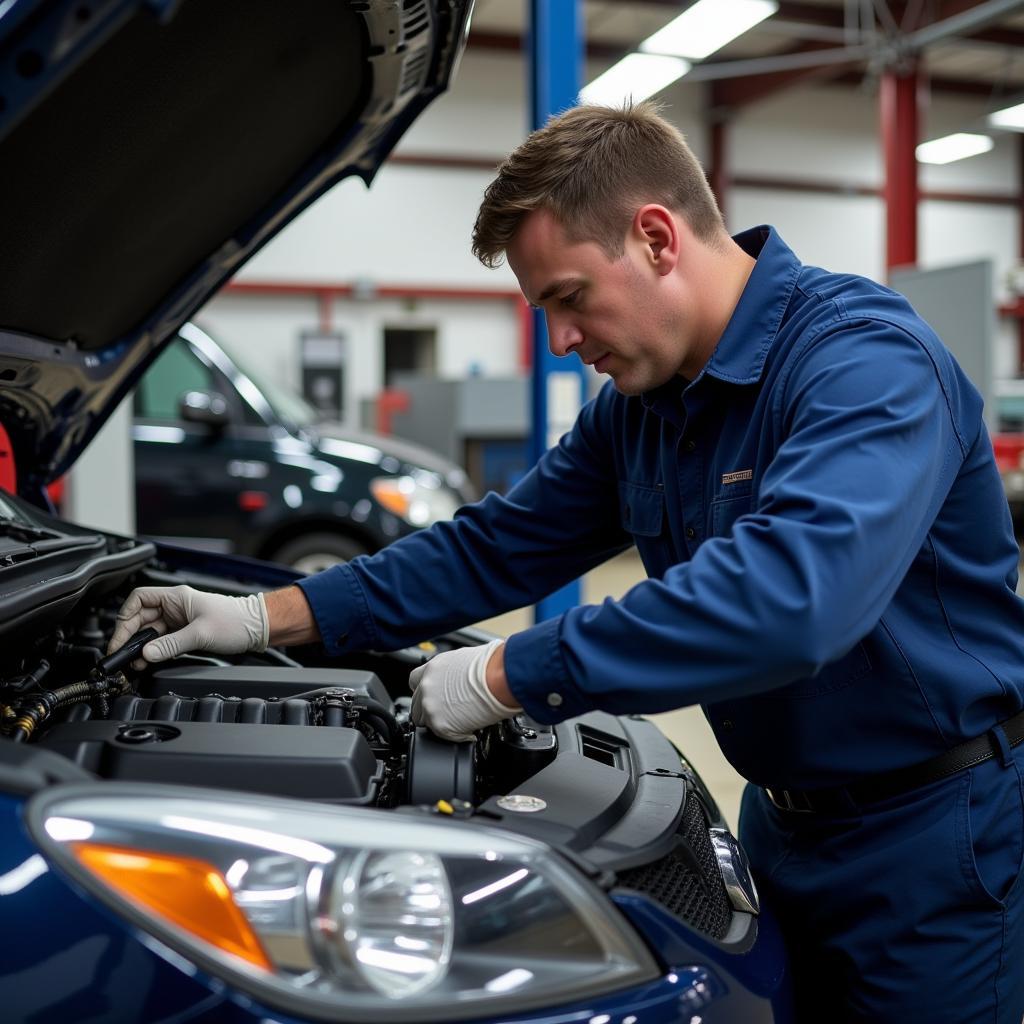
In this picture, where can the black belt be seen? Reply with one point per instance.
(997, 742)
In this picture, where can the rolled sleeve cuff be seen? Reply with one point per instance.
(340, 609)
(537, 674)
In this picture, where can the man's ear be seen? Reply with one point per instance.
(659, 233)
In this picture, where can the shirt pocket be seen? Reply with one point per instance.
(726, 509)
(641, 509)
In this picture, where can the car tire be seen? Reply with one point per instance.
(316, 551)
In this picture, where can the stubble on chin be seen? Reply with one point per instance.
(627, 387)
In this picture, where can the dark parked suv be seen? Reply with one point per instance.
(229, 462)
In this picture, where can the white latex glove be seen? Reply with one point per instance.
(450, 695)
(192, 621)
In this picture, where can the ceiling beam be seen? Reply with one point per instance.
(730, 88)
(832, 18)
(958, 18)
(512, 43)
(948, 86)
(733, 93)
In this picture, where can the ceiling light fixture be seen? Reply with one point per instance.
(958, 146)
(1008, 117)
(707, 26)
(635, 77)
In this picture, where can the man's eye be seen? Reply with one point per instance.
(571, 299)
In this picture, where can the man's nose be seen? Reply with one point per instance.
(563, 336)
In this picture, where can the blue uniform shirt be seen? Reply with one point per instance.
(830, 555)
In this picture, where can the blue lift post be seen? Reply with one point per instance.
(558, 385)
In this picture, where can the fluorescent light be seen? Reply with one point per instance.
(707, 26)
(634, 77)
(958, 146)
(1009, 117)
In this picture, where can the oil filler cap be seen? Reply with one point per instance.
(136, 734)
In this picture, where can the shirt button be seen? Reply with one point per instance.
(690, 533)
(554, 700)
(691, 445)
(727, 724)
(343, 639)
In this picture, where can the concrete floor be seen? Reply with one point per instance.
(687, 728)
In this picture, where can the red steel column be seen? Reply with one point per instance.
(899, 124)
(325, 303)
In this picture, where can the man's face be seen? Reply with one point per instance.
(625, 317)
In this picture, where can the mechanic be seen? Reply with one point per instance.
(807, 476)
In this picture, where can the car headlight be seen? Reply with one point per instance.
(421, 499)
(346, 913)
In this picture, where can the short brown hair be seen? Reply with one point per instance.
(592, 167)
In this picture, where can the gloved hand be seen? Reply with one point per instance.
(450, 695)
(192, 621)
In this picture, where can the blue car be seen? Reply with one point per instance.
(269, 838)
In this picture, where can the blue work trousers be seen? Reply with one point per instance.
(909, 910)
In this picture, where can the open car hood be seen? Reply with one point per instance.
(149, 148)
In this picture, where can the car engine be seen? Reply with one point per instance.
(296, 725)
(266, 724)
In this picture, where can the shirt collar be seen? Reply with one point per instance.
(743, 347)
(748, 337)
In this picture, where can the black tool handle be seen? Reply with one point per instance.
(126, 655)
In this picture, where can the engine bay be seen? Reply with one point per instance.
(611, 792)
(266, 724)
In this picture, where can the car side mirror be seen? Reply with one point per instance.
(206, 407)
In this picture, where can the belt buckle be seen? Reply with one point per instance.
(783, 799)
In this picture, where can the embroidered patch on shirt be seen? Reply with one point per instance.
(735, 478)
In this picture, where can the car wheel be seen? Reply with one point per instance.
(316, 551)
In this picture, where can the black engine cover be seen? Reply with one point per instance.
(330, 764)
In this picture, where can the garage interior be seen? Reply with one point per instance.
(371, 306)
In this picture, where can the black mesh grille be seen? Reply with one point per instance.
(687, 881)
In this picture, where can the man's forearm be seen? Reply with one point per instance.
(291, 622)
(290, 617)
(496, 680)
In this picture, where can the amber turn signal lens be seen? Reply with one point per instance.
(190, 893)
(388, 492)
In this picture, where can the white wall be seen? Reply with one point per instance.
(831, 134)
(100, 489)
(263, 333)
(807, 133)
(413, 226)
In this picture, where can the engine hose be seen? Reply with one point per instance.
(386, 723)
(33, 679)
(83, 651)
(377, 713)
(29, 719)
(380, 726)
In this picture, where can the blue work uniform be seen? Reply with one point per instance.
(832, 575)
